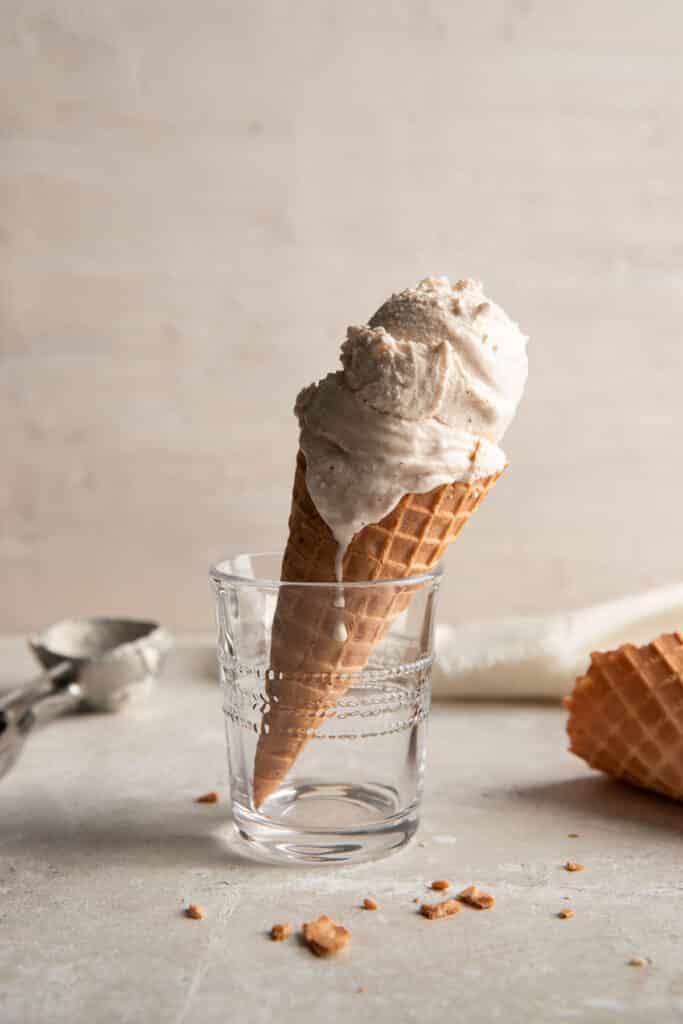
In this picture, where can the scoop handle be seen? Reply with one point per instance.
(48, 695)
(48, 682)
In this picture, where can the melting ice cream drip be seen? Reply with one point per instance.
(339, 572)
(340, 632)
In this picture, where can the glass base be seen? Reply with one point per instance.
(326, 823)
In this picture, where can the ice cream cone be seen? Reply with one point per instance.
(310, 659)
(405, 437)
(626, 714)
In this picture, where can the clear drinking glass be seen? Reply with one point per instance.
(340, 676)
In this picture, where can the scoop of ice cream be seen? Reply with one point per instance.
(440, 351)
(427, 390)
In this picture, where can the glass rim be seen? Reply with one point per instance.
(220, 577)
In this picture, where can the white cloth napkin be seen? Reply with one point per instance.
(540, 658)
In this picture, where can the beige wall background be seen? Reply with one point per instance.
(196, 199)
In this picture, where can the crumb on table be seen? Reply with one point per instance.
(208, 798)
(566, 913)
(440, 884)
(474, 897)
(194, 911)
(324, 937)
(370, 904)
(280, 932)
(572, 865)
(432, 911)
(638, 961)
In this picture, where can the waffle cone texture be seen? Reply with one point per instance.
(310, 665)
(626, 714)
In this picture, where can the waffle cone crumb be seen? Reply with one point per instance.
(195, 912)
(370, 904)
(474, 897)
(637, 961)
(324, 937)
(208, 798)
(432, 911)
(440, 885)
(280, 932)
(572, 865)
(566, 913)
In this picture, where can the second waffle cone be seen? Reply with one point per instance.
(311, 667)
(626, 714)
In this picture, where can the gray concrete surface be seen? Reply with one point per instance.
(101, 846)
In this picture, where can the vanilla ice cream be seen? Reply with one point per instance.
(426, 392)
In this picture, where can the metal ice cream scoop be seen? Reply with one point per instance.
(96, 664)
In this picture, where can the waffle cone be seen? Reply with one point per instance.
(626, 714)
(310, 665)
